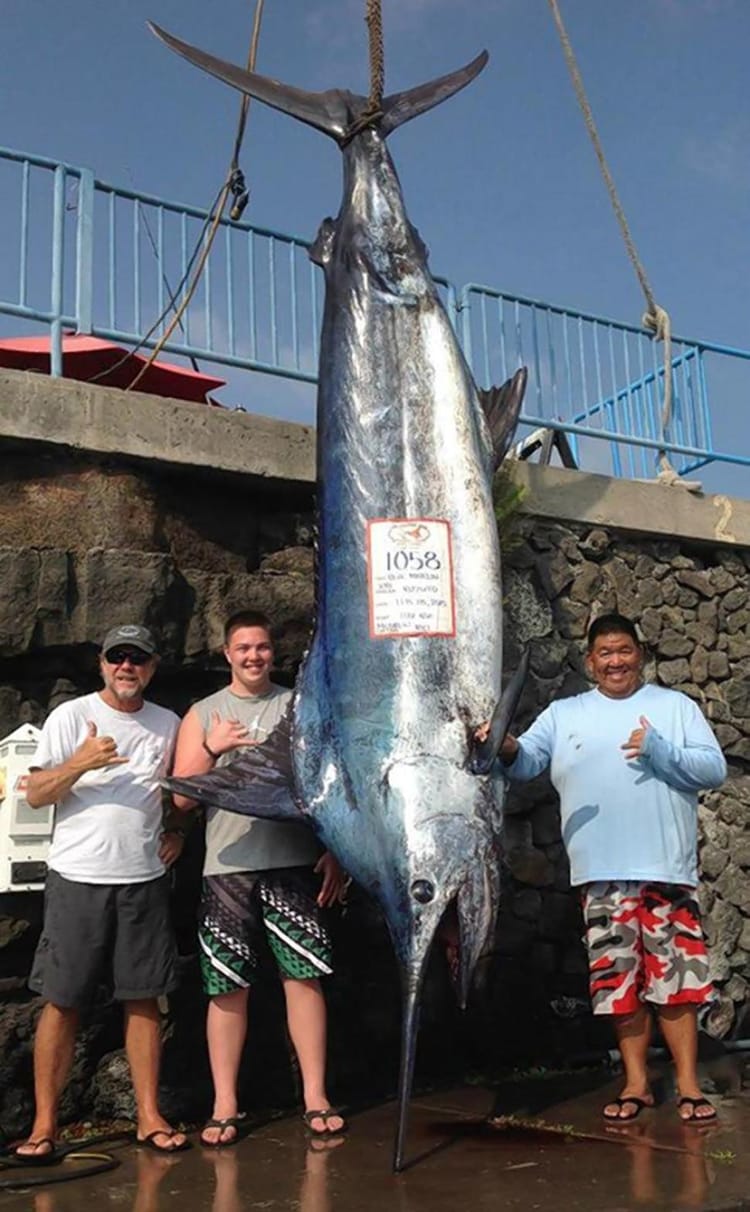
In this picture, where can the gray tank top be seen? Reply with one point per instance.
(241, 843)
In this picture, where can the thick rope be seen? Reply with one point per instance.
(374, 19)
(373, 110)
(656, 318)
(234, 184)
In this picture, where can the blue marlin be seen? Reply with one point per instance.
(380, 752)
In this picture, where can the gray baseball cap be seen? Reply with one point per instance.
(131, 634)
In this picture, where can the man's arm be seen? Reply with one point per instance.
(695, 766)
(94, 753)
(189, 756)
(528, 755)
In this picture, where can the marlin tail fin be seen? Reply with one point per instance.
(337, 113)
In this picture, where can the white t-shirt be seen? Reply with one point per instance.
(107, 827)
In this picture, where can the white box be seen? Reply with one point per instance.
(24, 832)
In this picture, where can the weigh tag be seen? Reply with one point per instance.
(410, 577)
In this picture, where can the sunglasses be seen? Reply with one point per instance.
(118, 656)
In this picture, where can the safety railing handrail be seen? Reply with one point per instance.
(259, 304)
(575, 313)
(197, 212)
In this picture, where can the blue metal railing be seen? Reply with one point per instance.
(89, 257)
(601, 379)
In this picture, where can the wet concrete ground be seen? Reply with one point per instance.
(654, 1163)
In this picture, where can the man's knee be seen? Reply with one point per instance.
(141, 1007)
(678, 1012)
(234, 1002)
(293, 984)
(54, 1012)
(632, 1020)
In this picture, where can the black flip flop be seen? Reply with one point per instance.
(50, 1158)
(686, 1101)
(233, 1121)
(640, 1104)
(149, 1142)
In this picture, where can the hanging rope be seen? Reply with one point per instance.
(373, 110)
(374, 19)
(656, 318)
(234, 185)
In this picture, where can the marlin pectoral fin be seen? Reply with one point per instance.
(258, 782)
(401, 107)
(485, 752)
(328, 111)
(237, 791)
(502, 406)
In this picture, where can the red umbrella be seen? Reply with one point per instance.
(89, 358)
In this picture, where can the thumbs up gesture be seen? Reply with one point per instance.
(96, 752)
(634, 744)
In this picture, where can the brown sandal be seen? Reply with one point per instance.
(640, 1104)
(325, 1115)
(233, 1121)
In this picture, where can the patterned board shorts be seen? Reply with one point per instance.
(645, 944)
(244, 914)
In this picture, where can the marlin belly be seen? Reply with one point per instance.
(401, 436)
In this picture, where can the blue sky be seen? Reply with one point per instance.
(501, 182)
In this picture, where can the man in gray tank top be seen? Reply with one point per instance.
(266, 885)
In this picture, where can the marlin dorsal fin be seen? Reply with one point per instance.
(501, 406)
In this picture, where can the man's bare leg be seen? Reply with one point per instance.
(679, 1026)
(143, 1047)
(633, 1033)
(54, 1045)
(306, 1019)
(226, 1029)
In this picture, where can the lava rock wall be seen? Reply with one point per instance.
(91, 543)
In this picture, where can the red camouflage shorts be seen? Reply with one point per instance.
(645, 943)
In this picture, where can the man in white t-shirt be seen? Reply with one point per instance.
(99, 760)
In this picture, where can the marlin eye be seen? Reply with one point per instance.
(423, 891)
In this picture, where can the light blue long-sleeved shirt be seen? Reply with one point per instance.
(625, 819)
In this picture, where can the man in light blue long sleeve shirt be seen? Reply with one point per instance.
(628, 760)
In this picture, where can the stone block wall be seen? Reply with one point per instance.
(92, 541)
(690, 602)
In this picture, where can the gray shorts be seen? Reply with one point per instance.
(96, 932)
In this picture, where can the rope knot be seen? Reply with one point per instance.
(657, 321)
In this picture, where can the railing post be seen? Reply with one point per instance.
(58, 264)
(462, 320)
(85, 252)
